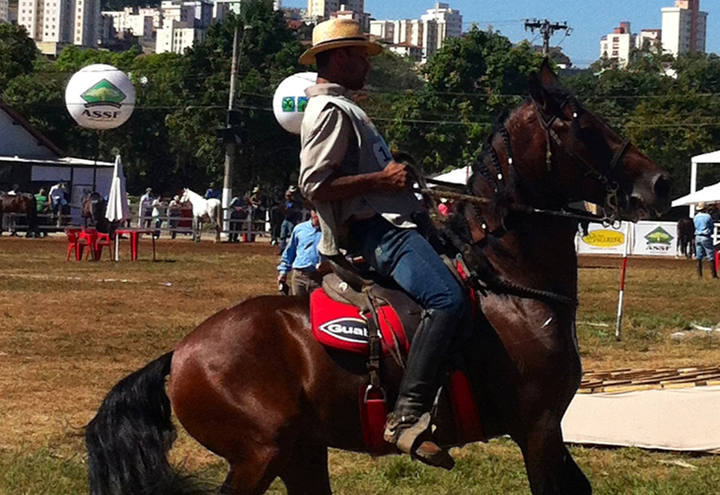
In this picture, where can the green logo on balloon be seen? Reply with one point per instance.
(103, 93)
(288, 104)
(302, 103)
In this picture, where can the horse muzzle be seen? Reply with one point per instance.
(650, 196)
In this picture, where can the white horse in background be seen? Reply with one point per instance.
(204, 210)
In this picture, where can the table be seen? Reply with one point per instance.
(134, 235)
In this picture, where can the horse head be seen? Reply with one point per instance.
(584, 159)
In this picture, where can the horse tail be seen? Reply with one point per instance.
(128, 439)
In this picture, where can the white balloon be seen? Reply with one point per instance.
(289, 100)
(100, 96)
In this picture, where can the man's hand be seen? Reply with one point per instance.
(282, 278)
(394, 176)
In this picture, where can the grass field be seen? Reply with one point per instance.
(69, 331)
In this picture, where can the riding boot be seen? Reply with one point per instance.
(713, 269)
(409, 425)
(699, 267)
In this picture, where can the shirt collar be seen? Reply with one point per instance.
(331, 89)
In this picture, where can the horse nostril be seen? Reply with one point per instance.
(661, 187)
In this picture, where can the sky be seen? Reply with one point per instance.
(589, 19)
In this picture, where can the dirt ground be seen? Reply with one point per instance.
(70, 330)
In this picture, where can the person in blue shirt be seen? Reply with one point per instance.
(292, 213)
(704, 228)
(301, 256)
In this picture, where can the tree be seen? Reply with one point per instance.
(17, 53)
(469, 80)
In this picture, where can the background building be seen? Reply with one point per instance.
(439, 23)
(4, 11)
(55, 23)
(358, 16)
(322, 9)
(617, 45)
(684, 28)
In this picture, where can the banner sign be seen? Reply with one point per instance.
(602, 240)
(655, 239)
(646, 238)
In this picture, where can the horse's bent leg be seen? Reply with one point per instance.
(550, 467)
(307, 471)
(253, 474)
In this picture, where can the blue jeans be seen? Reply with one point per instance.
(704, 248)
(286, 228)
(407, 257)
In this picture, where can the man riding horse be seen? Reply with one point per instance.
(366, 207)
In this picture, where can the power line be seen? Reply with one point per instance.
(547, 29)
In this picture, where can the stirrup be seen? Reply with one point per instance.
(412, 436)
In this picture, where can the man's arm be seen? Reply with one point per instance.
(324, 151)
(392, 178)
(288, 256)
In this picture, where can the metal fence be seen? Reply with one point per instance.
(167, 224)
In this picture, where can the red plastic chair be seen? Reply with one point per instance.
(89, 236)
(101, 241)
(76, 242)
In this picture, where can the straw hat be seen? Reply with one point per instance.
(700, 206)
(338, 33)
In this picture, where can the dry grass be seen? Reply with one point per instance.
(69, 331)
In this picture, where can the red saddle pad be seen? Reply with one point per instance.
(342, 326)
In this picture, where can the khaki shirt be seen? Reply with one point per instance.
(338, 138)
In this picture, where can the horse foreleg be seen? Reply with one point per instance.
(550, 467)
(253, 474)
(307, 471)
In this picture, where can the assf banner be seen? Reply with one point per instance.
(655, 239)
(602, 240)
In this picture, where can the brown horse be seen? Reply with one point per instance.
(252, 385)
(23, 204)
(686, 237)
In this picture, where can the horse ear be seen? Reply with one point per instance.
(539, 85)
(546, 75)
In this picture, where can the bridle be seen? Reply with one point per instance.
(611, 187)
(497, 178)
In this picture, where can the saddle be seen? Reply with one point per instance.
(375, 318)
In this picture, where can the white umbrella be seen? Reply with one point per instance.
(117, 209)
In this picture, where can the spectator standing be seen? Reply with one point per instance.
(704, 228)
(301, 256)
(292, 214)
(41, 200)
(145, 209)
(236, 215)
(58, 200)
(157, 207)
(173, 213)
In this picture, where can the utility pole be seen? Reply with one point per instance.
(229, 135)
(547, 29)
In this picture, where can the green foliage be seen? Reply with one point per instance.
(17, 53)
(669, 118)
(442, 113)
(469, 81)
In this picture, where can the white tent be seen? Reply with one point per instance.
(713, 157)
(709, 194)
(457, 176)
